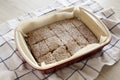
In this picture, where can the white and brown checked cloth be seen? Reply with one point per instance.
(13, 67)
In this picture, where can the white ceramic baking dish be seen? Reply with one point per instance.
(92, 22)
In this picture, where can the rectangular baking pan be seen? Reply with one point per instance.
(89, 19)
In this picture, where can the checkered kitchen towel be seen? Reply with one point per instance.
(12, 65)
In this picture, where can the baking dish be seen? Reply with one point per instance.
(92, 22)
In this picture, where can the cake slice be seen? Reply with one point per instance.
(59, 26)
(85, 31)
(53, 43)
(45, 32)
(77, 36)
(88, 34)
(33, 37)
(61, 53)
(55, 28)
(35, 50)
(30, 40)
(43, 48)
(63, 35)
(73, 47)
(48, 58)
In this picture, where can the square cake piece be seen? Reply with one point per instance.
(55, 28)
(88, 34)
(61, 53)
(33, 37)
(53, 43)
(72, 30)
(43, 48)
(45, 32)
(63, 35)
(48, 58)
(39, 49)
(35, 50)
(73, 47)
(85, 31)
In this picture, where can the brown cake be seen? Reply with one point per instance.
(59, 40)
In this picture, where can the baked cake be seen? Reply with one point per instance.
(59, 40)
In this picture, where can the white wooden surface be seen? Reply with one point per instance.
(13, 8)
